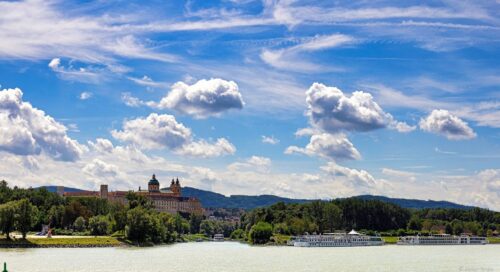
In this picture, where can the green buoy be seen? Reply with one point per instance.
(5, 267)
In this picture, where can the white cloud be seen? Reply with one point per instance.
(163, 131)
(402, 127)
(402, 175)
(27, 130)
(485, 113)
(438, 150)
(102, 170)
(86, 95)
(154, 131)
(442, 122)
(330, 146)
(101, 145)
(270, 140)
(358, 178)
(82, 74)
(254, 163)
(289, 58)
(204, 98)
(93, 38)
(205, 149)
(330, 110)
(131, 101)
(54, 63)
(147, 81)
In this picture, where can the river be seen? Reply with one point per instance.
(232, 256)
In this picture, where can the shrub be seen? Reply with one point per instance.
(260, 233)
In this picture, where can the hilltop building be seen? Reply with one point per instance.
(164, 200)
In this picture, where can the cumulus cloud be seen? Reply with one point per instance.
(98, 168)
(254, 163)
(270, 140)
(158, 131)
(204, 98)
(101, 145)
(55, 63)
(331, 110)
(154, 131)
(402, 127)
(86, 95)
(358, 178)
(27, 130)
(206, 149)
(442, 122)
(330, 146)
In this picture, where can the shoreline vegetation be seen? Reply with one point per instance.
(108, 241)
(96, 222)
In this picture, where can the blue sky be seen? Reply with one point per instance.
(295, 98)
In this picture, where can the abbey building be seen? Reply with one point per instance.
(164, 200)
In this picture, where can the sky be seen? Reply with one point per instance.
(302, 99)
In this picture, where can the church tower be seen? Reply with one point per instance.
(153, 185)
(175, 187)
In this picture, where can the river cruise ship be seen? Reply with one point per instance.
(350, 239)
(442, 239)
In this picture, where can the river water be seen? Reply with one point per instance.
(232, 256)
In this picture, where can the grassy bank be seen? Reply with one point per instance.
(195, 237)
(390, 239)
(103, 241)
(494, 240)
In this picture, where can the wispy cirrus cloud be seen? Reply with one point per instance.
(290, 58)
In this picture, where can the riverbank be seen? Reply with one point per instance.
(43, 242)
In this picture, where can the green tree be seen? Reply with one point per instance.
(194, 223)
(7, 218)
(414, 224)
(99, 225)
(237, 234)
(56, 216)
(137, 224)
(25, 217)
(79, 223)
(458, 227)
(207, 227)
(260, 233)
(333, 216)
(448, 229)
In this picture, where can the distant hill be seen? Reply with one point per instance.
(215, 200)
(416, 203)
(66, 189)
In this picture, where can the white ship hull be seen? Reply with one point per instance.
(353, 239)
(442, 240)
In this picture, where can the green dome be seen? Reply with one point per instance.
(153, 181)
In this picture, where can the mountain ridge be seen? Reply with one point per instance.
(211, 199)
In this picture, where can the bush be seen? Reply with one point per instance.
(260, 233)
(79, 224)
(238, 234)
(99, 225)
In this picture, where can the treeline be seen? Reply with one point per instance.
(27, 210)
(370, 216)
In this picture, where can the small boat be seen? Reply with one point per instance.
(218, 237)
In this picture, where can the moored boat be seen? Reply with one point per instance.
(442, 239)
(337, 239)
